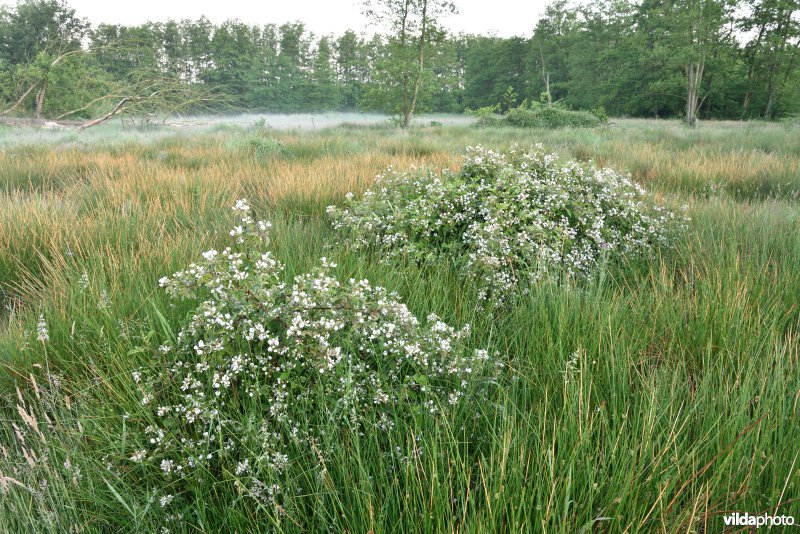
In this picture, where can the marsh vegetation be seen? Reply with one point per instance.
(652, 394)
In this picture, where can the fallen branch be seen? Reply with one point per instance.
(104, 118)
(85, 107)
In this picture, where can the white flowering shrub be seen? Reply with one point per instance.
(262, 362)
(505, 218)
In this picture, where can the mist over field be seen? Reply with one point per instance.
(120, 132)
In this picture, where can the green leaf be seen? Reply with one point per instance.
(421, 379)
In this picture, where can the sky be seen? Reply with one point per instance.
(503, 17)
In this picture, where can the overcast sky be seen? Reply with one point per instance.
(504, 17)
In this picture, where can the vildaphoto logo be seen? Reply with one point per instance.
(747, 520)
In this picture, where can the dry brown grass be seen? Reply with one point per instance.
(135, 210)
(697, 167)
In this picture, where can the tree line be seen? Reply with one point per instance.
(722, 59)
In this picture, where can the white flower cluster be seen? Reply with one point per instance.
(506, 217)
(42, 334)
(259, 358)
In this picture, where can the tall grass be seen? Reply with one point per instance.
(657, 398)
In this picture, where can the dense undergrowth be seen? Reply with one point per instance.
(506, 219)
(240, 398)
(654, 397)
(551, 118)
(539, 116)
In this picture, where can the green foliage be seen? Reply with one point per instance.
(261, 146)
(492, 65)
(506, 219)
(487, 115)
(352, 68)
(266, 376)
(551, 117)
(404, 74)
(35, 26)
(323, 91)
(509, 100)
(629, 58)
(600, 113)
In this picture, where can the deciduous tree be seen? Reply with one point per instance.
(414, 27)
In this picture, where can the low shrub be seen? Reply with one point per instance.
(551, 117)
(261, 146)
(266, 372)
(505, 218)
(600, 113)
(487, 116)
